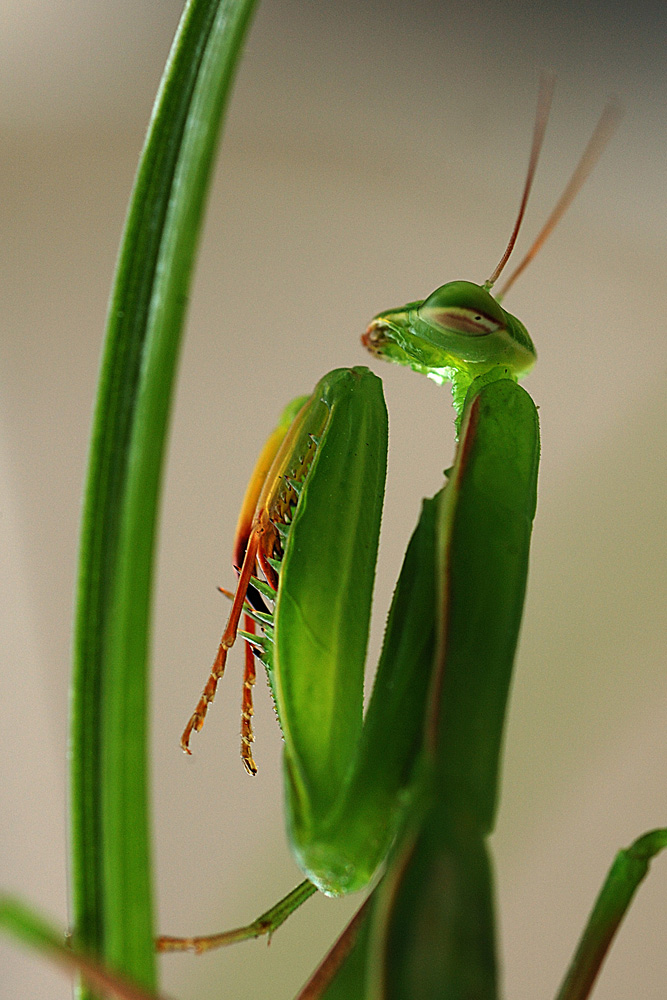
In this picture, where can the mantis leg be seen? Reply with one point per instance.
(267, 923)
(196, 720)
(249, 678)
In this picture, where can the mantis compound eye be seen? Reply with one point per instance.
(463, 308)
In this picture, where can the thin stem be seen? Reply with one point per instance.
(33, 931)
(324, 974)
(626, 873)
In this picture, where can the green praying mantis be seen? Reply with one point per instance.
(403, 797)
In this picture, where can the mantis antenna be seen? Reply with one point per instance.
(547, 85)
(604, 130)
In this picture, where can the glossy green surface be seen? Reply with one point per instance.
(343, 778)
(485, 527)
(435, 924)
(111, 872)
(340, 847)
(458, 333)
(322, 609)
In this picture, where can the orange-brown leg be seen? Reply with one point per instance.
(249, 677)
(228, 638)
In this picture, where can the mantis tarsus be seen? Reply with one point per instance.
(414, 782)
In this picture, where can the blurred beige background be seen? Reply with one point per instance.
(372, 152)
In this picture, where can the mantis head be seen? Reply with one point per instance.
(458, 332)
(461, 331)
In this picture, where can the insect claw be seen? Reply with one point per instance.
(187, 732)
(208, 694)
(250, 766)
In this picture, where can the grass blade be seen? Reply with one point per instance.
(34, 932)
(630, 867)
(111, 864)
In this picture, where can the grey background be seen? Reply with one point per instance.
(372, 152)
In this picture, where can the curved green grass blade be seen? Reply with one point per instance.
(341, 975)
(33, 931)
(111, 868)
(628, 870)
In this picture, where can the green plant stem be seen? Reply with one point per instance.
(625, 875)
(111, 862)
(341, 973)
(34, 932)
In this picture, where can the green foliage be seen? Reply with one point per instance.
(111, 855)
(415, 783)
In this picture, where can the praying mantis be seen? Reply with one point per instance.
(403, 797)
